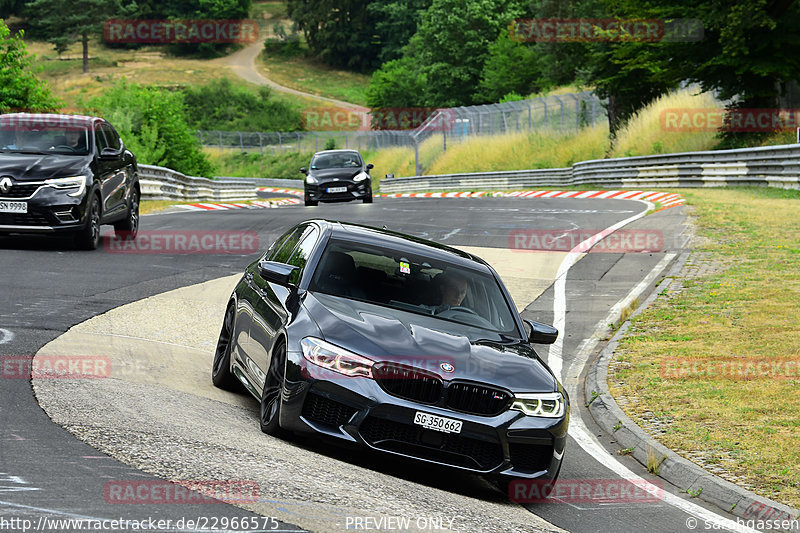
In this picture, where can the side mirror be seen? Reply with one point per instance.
(110, 153)
(370, 166)
(541, 333)
(303, 170)
(276, 272)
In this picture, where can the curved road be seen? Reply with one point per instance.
(166, 427)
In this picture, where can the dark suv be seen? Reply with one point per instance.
(337, 176)
(66, 174)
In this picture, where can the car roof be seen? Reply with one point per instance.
(46, 119)
(370, 235)
(341, 151)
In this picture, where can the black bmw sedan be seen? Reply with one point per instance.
(337, 176)
(66, 175)
(399, 344)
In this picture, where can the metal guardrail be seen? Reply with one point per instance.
(773, 166)
(160, 183)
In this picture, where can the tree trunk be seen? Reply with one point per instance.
(85, 42)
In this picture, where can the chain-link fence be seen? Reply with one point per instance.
(555, 113)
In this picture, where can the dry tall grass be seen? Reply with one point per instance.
(645, 134)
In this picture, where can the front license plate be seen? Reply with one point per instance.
(337, 189)
(439, 423)
(13, 207)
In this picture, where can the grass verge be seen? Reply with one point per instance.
(740, 308)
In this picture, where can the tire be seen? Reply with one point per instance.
(270, 407)
(221, 375)
(89, 237)
(129, 227)
(368, 198)
(311, 203)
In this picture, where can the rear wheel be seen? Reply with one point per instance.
(129, 227)
(271, 394)
(221, 375)
(89, 237)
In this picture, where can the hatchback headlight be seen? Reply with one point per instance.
(336, 359)
(545, 404)
(361, 176)
(74, 182)
(311, 180)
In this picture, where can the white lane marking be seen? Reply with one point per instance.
(554, 357)
(577, 429)
(6, 336)
(450, 234)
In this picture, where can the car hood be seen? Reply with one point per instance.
(341, 173)
(35, 167)
(384, 334)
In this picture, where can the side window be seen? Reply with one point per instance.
(99, 138)
(111, 136)
(303, 251)
(283, 253)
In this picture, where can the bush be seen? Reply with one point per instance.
(254, 165)
(20, 89)
(153, 125)
(221, 105)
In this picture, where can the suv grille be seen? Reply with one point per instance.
(408, 382)
(476, 399)
(447, 448)
(19, 190)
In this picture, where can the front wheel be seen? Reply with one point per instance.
(89, 237)
(130, 226)
(271, 394)
(368, 198)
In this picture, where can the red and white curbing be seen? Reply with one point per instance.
(259, 204)
(664, 198)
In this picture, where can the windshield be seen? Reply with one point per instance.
(402, 280)
(44, 139)
(342, 160)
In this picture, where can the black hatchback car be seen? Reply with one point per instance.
(383, 340)
(337, 176)
(66, 174)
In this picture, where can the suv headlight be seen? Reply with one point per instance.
(73, 182)
(545, 404)
(336, 359)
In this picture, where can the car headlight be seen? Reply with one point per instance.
(311, 180)
(332, 357)
(73, 182)
(546, 404)
(360, 176)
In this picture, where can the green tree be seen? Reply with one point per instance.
(394, 23)
(398, 83)
(152, 122)
(20, 89)
(221, 105)
(65, 21)
(511, 67)
(339, 32)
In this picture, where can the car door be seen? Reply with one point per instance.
(260, 311)
(115, 174)
(272, 304)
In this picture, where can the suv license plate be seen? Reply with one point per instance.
(337, 189)
(13, 207)
(438, 423)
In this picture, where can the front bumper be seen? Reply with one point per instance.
(49, 211)
(354, 191)
(509, 445)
